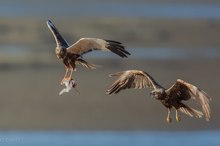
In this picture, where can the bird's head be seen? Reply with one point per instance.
(157, 93)
(72, 83)
(60, 52)
(61, 43)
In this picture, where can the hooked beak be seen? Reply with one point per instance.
(151, 94)
(58, 57)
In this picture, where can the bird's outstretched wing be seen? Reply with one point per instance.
(60, 41)
(131, 79)
(182, 90)
(85, 45)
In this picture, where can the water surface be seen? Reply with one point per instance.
(57, 138)
(70, 9)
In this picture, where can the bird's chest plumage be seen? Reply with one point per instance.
(168, 102)
(69, 59)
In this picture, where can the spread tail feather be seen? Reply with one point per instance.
(86, 64)
(190, 111)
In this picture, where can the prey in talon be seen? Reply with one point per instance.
(71, 55)
(70, 84)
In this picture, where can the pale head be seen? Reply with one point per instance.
(60, 52)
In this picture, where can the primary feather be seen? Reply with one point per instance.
(85, 45)
(131, 79)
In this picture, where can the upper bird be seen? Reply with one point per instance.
(172, 97)
(70, 55)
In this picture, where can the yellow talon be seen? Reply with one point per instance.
(63, 80)
(178, 118)
(169, 120)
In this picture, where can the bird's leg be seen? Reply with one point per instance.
(178, 118)
(64, 78)
(169, 119)
(71, 71)
(70, 76)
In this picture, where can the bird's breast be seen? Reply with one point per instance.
(166, 103)
(66, 62)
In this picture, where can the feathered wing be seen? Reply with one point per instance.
(131, 79)
(86, 64)
(60, 41)
(85, 45)
(182, 90)
(189, 111)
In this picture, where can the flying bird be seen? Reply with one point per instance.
(172, 97)
(72, 55)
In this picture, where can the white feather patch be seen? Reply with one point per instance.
(69, 85)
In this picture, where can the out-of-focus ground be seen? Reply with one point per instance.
(30, 100)
(30, 73)
(133, 32)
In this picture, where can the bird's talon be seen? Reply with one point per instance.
(62, 82)
(169, 120)
(69, 78)
(178, 118)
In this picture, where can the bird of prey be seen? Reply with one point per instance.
(171, 97)
(72, 55)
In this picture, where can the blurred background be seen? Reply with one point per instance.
(168, 39)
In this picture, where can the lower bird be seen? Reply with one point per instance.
(172, 97)
(72, 55)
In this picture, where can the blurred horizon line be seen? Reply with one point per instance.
(158, 53)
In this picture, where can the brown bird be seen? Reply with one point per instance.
(70, 55)
(172, 97)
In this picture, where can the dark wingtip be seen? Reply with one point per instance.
(49, 23)
(111, 41)
(59, 39)
(117, 48)
(128, 53)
